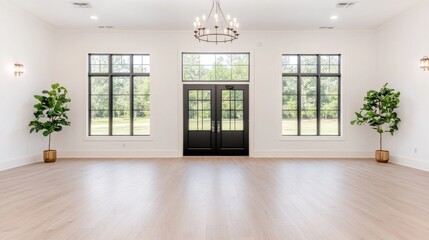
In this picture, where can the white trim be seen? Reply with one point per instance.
(118, 154)
(314, 154)
(118, 138)
(410, 162)
(312, 138)
(22, 161)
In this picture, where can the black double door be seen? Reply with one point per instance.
(216, 120)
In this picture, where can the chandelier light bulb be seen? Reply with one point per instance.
(228, 17)
(204, 17)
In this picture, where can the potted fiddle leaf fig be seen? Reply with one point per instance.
(50, 116)
(379, 112)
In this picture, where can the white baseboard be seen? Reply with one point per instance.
(314, 154)
(18, 162)
(410, 162)
(117, 154)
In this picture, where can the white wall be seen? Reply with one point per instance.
(401, 44)
(359, 58)
(27, 40)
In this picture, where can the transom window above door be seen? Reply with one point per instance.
(228, 67)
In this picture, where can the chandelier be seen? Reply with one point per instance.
(216, 27)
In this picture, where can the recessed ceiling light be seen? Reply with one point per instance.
(334, 17)
(94, 17)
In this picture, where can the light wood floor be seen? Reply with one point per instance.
(214, 198)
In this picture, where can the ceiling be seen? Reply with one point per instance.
(178, 15)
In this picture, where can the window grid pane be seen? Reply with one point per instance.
(199, 110)
(119, 97)
(215, 67)
(310, 95)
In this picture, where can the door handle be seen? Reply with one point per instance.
(213, 126)
(218, 126)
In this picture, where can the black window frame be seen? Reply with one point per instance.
(216, 80)
(110, 74)
(318, 76)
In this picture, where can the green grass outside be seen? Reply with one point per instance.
(121, 126)
(309, 127)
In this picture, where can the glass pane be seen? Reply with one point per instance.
(238, 117)
(223, 73)
(141, 123)
(208, 73)
(206, 105)
(290, 102)
(206, 120)
(290, 63)
(308, 85)
(226, 120)
(121, 103)
(193, 105)
(290, 123)
(121, 63)
(308, 123)
(138, 59)
(223, 60)
(329, 102)
(329, 85)
(290, 85)
(239, 94)
(329, 123)
(308, 64)
(193, 120)
(330, 64)
(232, 110)
(121, 85)
(238, 105)
(207, 59)
(121, 123)
(199, 105)
(99, 123)
(191, 73)
(226, 105)
(99, 64)
(240, 73)
(193, 94)
(207, 94)
(142, 85)
(240, 59)
(191, 59)
(99, 85)
(100, 102)
(309, 102)
(216, 67)
(141, 103)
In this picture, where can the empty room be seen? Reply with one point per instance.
(214, 119)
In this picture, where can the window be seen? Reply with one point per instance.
(119, 95)
(215, 67)
(311, 95)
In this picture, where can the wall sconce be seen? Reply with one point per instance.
(424, 63)
(18, 69)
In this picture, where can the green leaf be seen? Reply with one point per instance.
(50, 111)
